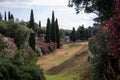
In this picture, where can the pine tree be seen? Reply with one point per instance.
(32, 35)
(53, 28)
(57, 34)
(5, 17)
(48, 28)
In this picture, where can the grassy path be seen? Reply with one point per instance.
(65, 63)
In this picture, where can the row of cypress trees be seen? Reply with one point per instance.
(10, 16)
(52, 31)
(82, 33)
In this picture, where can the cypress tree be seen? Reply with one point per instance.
(53, 28)
(57, 34)
(39, 30)
(78, 34)
(82, 32)
(73, 35)
(32, 35)
(31, 23)
(0, 16)
(5, 17)
(40, 25)
(48, 28)
(12, 17)
(9, 15)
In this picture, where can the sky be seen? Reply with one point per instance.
(67, 17)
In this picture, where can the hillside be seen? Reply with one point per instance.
(68, 63)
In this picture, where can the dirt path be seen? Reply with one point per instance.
(61, 58)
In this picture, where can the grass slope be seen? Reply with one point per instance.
(68, 63)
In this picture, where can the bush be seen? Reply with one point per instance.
(98, 57)
(19, 66)
(16, 30)
(46, 47)
(7, 45)
(2, 43)
(105, 48)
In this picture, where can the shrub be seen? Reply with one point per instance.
(46, 47)
(2, 43)
(98, 57)
(7, 45)
(38, 51)
(19, 66)
(105, 48)
(16, 30)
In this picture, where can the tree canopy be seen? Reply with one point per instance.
(103, 8)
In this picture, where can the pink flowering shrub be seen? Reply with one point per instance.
(117, 6)
(46, 47)
(112, 29)
(11, 46)
(105, 48)
(7, 45)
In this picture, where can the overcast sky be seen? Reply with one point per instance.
(67, 17)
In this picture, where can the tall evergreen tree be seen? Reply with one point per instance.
(82, 32)
(5, 16)
(40, 25)
(48, 30)
(9, 15)
(12, 17)
(0, 16)
(32, 35)
(86, 34)
(53, 28)
(57, 34)
(73, 35)
(31, 23)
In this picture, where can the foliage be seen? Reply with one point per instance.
(5, 16)
(57, 34)
(32, 35)
(38, 51)
(46, 47)
(81, 33)
(15, 30)
(20, 67)
(73, 35)
(53, 28)
(48, 29)
(10, 16)
(32, 40)
(110, 49)
(99, 56)
(0, 17)
(103, 8)
(2, 43)
(52, 32)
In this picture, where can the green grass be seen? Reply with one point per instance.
(79, 72)
(60, 77)
(71, 45)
